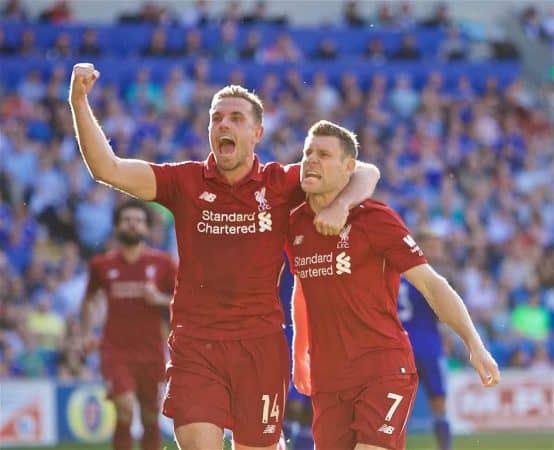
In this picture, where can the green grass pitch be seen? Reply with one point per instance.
(499, 441)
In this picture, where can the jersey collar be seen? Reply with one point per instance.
(210, 170)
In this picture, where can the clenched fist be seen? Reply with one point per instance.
(82, 79)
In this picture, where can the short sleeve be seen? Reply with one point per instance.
(167, 183)
(292, 187)
(390, 237)
(94, 282)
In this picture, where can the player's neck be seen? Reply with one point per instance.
(321, 201)
(132, 253)
(235, 175)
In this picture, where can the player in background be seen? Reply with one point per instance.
(421, 323)
(137, 282)
(229, 361)
(350, 350)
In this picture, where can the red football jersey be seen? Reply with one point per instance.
(351, 284)
(132, 327)
(230, 240)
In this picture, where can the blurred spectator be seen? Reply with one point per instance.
(143, 92)
(408, 49)
(374, 51)
(27, 43)
(453, 47)
(150, 12)
(196, 15)
(232, 12)
(326, 50)
(282, 50)
(251, 48)
(385, 16)
(530, 21)
(531, 320)
(45, 327)
(32, 87)
(89, 45)
(158, 44)
(439, 18)
(93, 218)
(325, 96)
(227, 47)
(14, 10)
(192, 45)
(259, 15)
(403, 98)
(62, 47)
(351, 15)
(59, 12)
(404, 18)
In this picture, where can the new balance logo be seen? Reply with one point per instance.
(343, 263)
(410, 242)
(207, 196)
(387, 429)
(270, 429)
(264, 221)
(298, 239)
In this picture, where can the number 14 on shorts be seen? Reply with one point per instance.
(266, 413)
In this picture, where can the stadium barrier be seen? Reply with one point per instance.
(45, 412)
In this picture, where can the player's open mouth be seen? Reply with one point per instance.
(226, 145)
(311, 174)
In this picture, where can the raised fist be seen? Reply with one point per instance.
(83, 77)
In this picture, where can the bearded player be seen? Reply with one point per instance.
(137, 282)
(350, 350)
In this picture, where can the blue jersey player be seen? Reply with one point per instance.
(421, 323)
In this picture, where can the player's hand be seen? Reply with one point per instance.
(331, 220)
(301, 376)
(485, 365)
(151, 294)
(83, 77)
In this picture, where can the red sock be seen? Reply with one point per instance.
(122, 439)
(151, 439)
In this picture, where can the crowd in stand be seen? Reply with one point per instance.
(474, 163)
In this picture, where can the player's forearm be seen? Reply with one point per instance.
(95, 148)
(300, 343)
(450, 309)
(361, 186)
(86, 317)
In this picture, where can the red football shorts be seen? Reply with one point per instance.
(373, 414)
(145, 379)
(240, 385)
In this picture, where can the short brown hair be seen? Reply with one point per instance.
(347, 138)
(133, 204)
(234, 90)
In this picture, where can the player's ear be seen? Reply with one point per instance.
(350, 164)
(258, 133)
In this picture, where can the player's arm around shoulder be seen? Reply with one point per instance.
(450, 309)
(132, 176)
(331, 220)
(300, 341)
